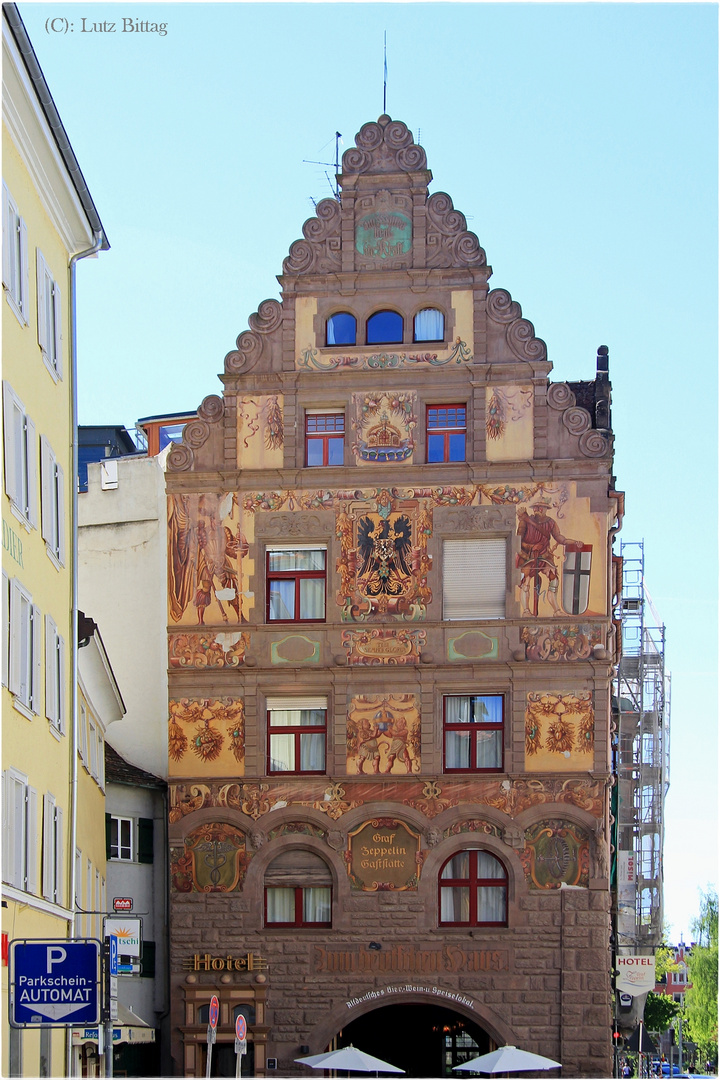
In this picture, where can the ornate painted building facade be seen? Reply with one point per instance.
(390, 642)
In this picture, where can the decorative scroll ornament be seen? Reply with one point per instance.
(383, 147)
(267, 317)
(593, 445)
(246, 355)
(448, 241)
(319, 251)
(576, 420)
(519, 332)
(560, 396)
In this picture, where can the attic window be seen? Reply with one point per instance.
(384, 328)
(341, 329)
(429, 325)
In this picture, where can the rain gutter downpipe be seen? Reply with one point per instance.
(98, 241)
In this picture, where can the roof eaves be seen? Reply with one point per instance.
(52, 116)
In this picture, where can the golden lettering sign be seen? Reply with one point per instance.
(383, 854)
(206, 962)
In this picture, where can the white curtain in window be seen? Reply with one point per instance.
(312, 752)
(455, 904)
(491, 903)
(316, 905)
(457, 710)
(282, 753)
(488, 866)
(457, 749)
(429, 325)
(282, 599)
(488, 749)
(297, 559)
(312, 598)
(458, 866)
(280, 905)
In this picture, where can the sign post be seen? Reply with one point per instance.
(240, 1043)
(54, 983)
(211, 1032)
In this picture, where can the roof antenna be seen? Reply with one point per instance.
(385, 73)
(336, 163)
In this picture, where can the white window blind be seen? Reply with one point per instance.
(286, 703)
(53, 500)
(5, 627)
(48, 854)
(49, 317)
(474, 578)
(54, 675)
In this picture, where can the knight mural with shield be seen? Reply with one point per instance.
(540, 537)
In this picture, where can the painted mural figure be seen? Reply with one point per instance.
(368, 747)
(539, 538)
(399, 735)
(204, 558)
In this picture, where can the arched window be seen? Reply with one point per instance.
(473, 890)
(384, 328)
(429, 325)
(248, 1011)
(341, 329)
(298, 890)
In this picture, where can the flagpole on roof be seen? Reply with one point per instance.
(385, 72)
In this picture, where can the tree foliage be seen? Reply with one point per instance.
(659, 1011)
(701, 1001)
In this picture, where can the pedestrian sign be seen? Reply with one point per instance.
(54, 982)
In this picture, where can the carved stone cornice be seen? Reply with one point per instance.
(384, 147)
(448, 242)
(195, 434)
(319, 252)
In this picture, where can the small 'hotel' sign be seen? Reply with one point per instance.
(206, 962)
(383, 854)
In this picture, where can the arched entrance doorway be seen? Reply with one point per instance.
(422, 1039)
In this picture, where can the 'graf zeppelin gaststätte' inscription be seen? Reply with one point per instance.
(383, 854)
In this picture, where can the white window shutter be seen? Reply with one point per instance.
(31, 841)
(24, 282)
(282, 703)
(18, 638)
(474, 578)
(6, 236)
(7, 831)
(47, 490)
(51, 705)
(48, 848)
(61, 684)
(5, 629)
(42, 304)
(57, 307)
(59, 853)
(31, 511)
(16, 829)
(35, 662)
(12, 438)
(60, 493)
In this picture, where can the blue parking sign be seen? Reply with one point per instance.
(54, 983)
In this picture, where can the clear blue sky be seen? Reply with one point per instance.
(579, 139)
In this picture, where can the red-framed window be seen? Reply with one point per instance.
(473, 888)
(473, 728)
(324, 439)
(296, 584)
(446, 431)
(297, 737)
(301, 905)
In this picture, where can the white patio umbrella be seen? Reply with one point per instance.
(350, 1059)
(507, 1059)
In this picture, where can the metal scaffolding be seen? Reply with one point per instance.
(642, 758)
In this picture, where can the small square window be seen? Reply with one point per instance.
(296, 585)
(446, 431)
(473, 733)
(324, 439)
(296, 736)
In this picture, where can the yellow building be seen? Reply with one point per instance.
(49, 222)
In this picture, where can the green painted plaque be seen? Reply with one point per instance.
(384, 234)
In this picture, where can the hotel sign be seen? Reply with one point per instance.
(635, 974)
(206, 962)
(383, 854)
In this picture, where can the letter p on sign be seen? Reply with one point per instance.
(55, 955)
